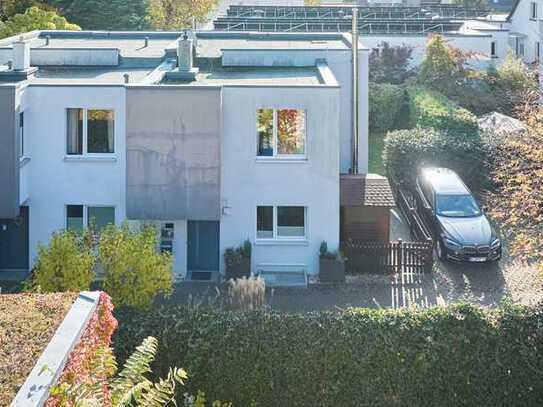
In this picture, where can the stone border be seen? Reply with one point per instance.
(46, 371)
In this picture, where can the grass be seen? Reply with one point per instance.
(376, 145)
(27, 324)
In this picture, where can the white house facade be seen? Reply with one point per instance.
(214, 137)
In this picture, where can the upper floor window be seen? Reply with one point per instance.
(533, 10)
(281, 133)
(90, 131)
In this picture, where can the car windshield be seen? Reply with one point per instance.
(457, 206)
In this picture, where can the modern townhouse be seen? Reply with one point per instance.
(214, 137)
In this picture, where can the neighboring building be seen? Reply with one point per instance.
(216, 137)
(487, 36)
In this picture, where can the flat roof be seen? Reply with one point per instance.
(87, 75)
(210, 46)
(255, 76)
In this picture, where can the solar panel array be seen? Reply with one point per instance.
(372, 20)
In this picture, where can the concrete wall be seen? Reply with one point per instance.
(247, 181)
(63, 56)
(56, 180)
(173, 153)
(9, 153)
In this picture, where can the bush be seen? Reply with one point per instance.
(135, 272)
(65, 265)
(407, 150)
(430, 109)
(233, 256)
(385, 104)
(390, 64)
(445, 356)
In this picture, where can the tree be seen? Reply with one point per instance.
(135, 272)
(390, 64)
(105, 14)
(8, 8)
(65, 265)
(177, 14)
(35, 19)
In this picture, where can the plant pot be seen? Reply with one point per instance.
(331, 270)
(239, 270)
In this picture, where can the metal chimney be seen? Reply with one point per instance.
(354, 47)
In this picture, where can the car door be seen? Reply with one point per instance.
(426, 209)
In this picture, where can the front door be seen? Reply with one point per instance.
(202, 249)
(14, 243)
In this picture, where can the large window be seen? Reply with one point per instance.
(281, 222)
(281, 133)
(96, 217)
(90, 131)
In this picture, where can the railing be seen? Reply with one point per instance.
(387, 258)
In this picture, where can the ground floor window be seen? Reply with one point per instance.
(96, 217)
(281, 222)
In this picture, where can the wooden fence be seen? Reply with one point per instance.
(387, 258)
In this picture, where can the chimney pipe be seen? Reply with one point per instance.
(355, 135)
(184, 53)
(126, 78)
(47, 40)
(146, 42)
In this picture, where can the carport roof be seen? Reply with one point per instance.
(365, 190)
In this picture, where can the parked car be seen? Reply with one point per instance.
(461, 230)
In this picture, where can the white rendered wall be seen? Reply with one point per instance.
(521, 23)
(54, 182)
(247, 182)
(67, 56)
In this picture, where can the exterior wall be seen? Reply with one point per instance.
(9, 153)
(247, 182)
(56, 180)
(173, 152)
(521, 23)
(365, 223)
(63, 56)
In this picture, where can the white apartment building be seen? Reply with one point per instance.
(214, 137)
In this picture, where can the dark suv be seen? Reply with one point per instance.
(461, 230)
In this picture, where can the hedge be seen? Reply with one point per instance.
(406, 151)
(459, 355)
(386, 101)
(431, 109)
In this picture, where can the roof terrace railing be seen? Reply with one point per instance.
(302, 12)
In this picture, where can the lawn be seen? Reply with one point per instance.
(376, 145)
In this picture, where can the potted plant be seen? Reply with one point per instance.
(238, 261)
(331, 266)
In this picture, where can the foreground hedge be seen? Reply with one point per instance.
(407, 150)
(431, 109)
(454, 356)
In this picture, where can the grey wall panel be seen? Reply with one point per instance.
(173, 153)
(9, 160)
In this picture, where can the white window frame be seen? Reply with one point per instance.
(275, 237)
(86, 213)
(85, 134)
(276, 155)
(533, 10)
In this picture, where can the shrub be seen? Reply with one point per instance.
(444, 356)
(390, 64)
(385, 104)
(235, 256)
(135, 272)
(408, 150)
(430, 109)
(65, 265)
